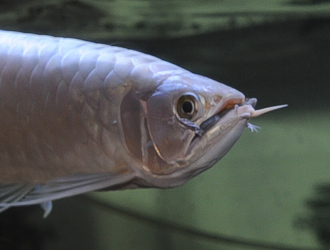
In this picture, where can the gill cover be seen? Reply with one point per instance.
(167, 107)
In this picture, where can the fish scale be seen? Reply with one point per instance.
(56, 78)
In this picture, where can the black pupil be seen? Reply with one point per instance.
(187, 107)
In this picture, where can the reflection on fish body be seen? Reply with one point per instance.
(77, 116)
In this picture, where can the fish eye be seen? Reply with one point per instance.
(187, 106)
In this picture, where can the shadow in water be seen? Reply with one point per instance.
(69, 226)
(317, 219)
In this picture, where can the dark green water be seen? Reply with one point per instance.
(272, 189)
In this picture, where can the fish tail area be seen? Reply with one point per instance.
(27, 194)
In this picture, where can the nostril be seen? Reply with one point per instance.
(251, 101)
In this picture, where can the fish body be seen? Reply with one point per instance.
(77, 116)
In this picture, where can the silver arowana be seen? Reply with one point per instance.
(77, 116)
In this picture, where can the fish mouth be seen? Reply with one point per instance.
(227, 107)
(243, 109)
(219, 132)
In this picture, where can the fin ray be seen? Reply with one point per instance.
(27, 194)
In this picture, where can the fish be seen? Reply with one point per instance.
(78, 116)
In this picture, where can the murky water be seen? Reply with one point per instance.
(271, 190)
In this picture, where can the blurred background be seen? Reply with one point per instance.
(272, 190)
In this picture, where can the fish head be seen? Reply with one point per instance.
(191, 122)
(182, 112)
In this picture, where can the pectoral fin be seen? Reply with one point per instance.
(26, 194)
(12, 193)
